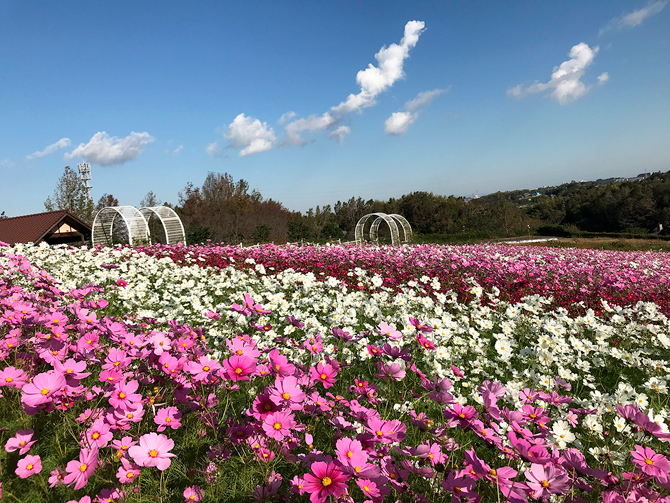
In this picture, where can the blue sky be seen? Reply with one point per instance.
(314, 102)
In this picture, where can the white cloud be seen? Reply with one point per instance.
(372, 81)
(286, 117)
(565, 85)
(634, 18)
(177, 150)
(398, 123)
(251, 135)
(603, 77)
(108, 150)
(62, 143)
(339, 134)
(214, 150)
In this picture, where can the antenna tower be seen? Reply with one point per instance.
(85, 175)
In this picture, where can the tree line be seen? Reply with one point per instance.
(225, 210)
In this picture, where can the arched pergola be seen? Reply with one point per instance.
(404, 224)
(107, 221)
(374, 229)
(170, 222)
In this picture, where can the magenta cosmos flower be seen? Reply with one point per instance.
(79, 471)
(12, 377)
(326, 479)
(153, 451)
(650, 462)
(239, 367)
(324, 373)
(21, 441)
(28, 465)
(278, 425)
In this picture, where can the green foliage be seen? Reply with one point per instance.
(197, 234)
(297, 230)
(554, 230)
(262, 233)
(71, 194)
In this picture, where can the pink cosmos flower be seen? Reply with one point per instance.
(369, 488)
(287, 392)
(544, 480)
(386, 431)
(346, 447)
(385, 329)
(239, 367)
(12, 377)
(79, 471)
(168, 416)
(457, 372)
(22, 440)
(128, 471)
(84, 499)
(153, 451)
(56, 477)
(324, 373)
(124, 394)
(122, 446)
(279, 425)
(203, 369)
(28, 465)
(326, 479)
(42, 388)
(650, 462)
(279, 364)
(98, 435)
(72, 368)
(193, 493)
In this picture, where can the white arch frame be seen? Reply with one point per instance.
(103, 225)
(172, 224)
(404, 224)
(390, 221)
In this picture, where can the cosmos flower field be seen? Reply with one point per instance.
(334, 373)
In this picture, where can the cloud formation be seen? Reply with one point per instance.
(108, 150)
(214, 150)
(252, 136)
(634, 18)
(62, 143)
(177, 150)
(565, 85)
(339, 134)
(398, 123)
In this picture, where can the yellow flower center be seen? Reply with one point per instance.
(277, 426)
(82, 467)
(153, 453)
(545, 483)
(325, 481)
(122, 395)
(285, 395)
(45, 391)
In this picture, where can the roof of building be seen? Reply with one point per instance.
(34, 228)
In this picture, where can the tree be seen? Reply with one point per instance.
(106, 201)
(71, 194)
(150, 200)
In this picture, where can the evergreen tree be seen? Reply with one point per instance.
(71, 194)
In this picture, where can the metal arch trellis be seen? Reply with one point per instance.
(172, 224)
(390, 221)
(404, 224)
(103, 225)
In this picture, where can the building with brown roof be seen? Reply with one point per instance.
(53, 227)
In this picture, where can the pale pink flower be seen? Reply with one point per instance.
(79, 471)
(168, 416)
(22, 441)
(28, 465)
(193, 493)
(153, 451)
